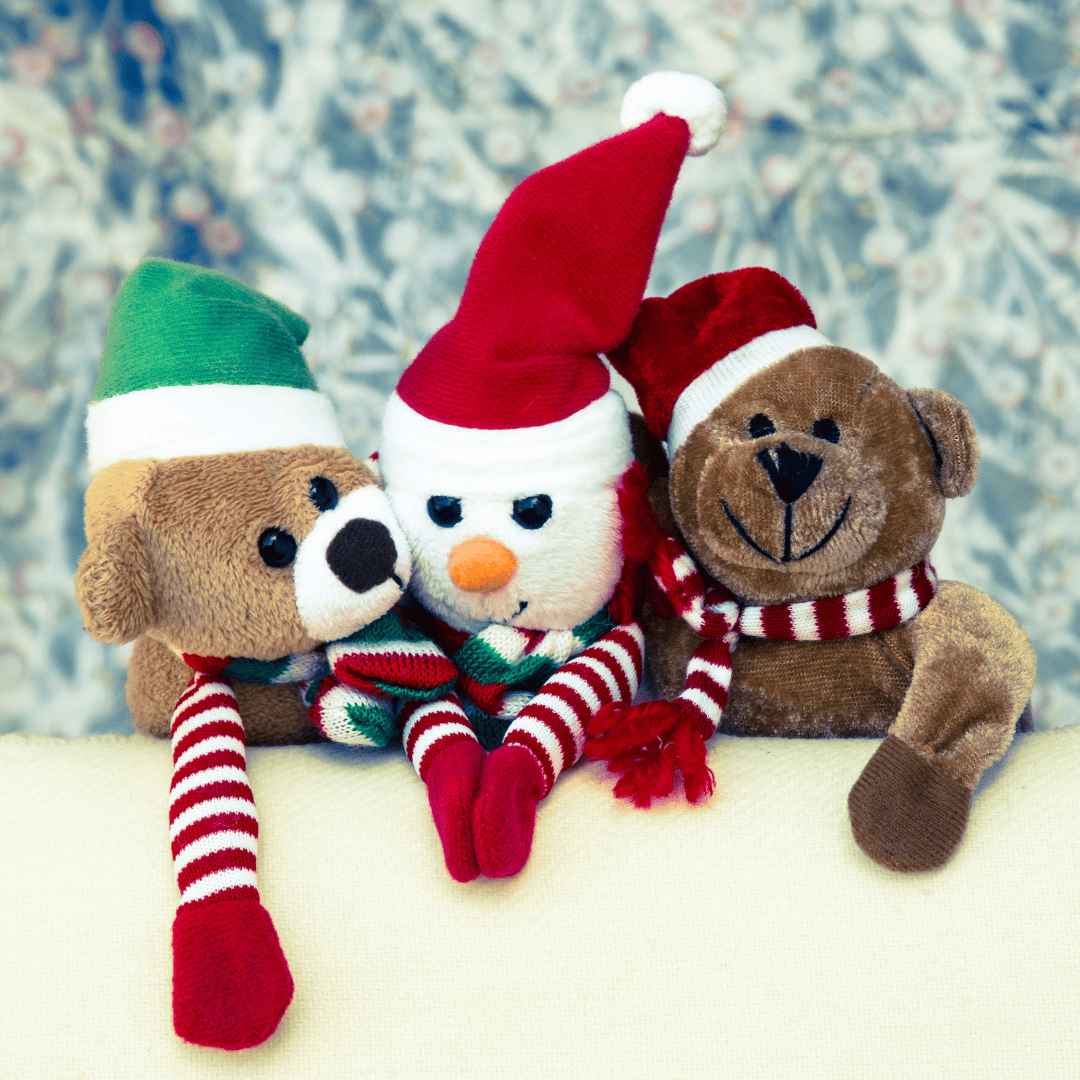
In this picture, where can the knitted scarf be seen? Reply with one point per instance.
(388, 656)
(718, 617)
(646, 743)
(501, 667)
(347, 687)
(716, 614)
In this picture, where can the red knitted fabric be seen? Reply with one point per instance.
(231, 984)
(504, 815)
(556, 280)
(677, 337)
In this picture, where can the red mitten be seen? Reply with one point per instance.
(511, 786)
(452, 779)
(231, 984)
(646, 743)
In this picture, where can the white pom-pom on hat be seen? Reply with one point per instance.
(676, 93)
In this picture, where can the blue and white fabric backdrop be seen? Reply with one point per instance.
(912, 165)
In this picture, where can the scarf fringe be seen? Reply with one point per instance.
(647, 744)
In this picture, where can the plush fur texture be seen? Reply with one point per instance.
(173, 558)
(947, 687)
(696, 401)
(175, 562)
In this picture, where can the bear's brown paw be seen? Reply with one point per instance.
(907, 813)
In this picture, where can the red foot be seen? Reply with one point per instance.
(511, 785)
(231, 984)
(452, 781)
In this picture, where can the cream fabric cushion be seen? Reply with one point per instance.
(747, 937)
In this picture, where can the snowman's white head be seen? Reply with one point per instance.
(519, 526)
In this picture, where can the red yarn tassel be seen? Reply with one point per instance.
(646, 743)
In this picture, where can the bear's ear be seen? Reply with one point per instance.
(114, 583)
(951, 432)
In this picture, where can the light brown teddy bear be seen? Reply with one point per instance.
(812, 488)
(230, 534)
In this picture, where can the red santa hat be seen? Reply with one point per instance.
(557, 279)
(690, 350)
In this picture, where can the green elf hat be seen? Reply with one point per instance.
(198, 363)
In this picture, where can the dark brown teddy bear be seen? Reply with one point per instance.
(812, 488)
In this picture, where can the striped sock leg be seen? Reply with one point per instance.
(546, 737)
(705, 689)
(650, 743)
(442, 747)
(231, 983)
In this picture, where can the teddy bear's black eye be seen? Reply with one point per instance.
(323, 493)
(761, 425)
(444, 510)
(277, 548)
(826, 429)
(532, 512)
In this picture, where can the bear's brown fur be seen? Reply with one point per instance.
(946, 688)
(173, 562)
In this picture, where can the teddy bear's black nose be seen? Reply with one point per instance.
(362, 555)
(791, 472)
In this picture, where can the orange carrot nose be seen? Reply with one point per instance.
(481, 565)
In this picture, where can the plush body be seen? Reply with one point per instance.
(814, 478)
(230, 534)
(156, 677)
(504, 452)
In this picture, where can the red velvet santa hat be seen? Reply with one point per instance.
(557, 279)
(688, 351)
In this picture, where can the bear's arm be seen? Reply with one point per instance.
(974, 670)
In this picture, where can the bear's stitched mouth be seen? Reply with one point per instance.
(787, 556)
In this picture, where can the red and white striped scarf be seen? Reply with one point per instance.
(717, 615)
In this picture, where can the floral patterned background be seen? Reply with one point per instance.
(912, 165)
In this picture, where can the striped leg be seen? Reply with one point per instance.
(649, 743)
(442, 747)
(231, 984)
(546, 737)
(708, 677)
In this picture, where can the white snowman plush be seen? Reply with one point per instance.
(506, 456)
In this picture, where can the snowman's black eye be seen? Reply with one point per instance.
(444, 510)
(760, 426)
(277, 548)
(323, 493)
(826, 428)
(532, 512)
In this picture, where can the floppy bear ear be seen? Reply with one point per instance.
(114, 583)
(951, 432)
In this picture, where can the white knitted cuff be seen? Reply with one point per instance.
(715, 383)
